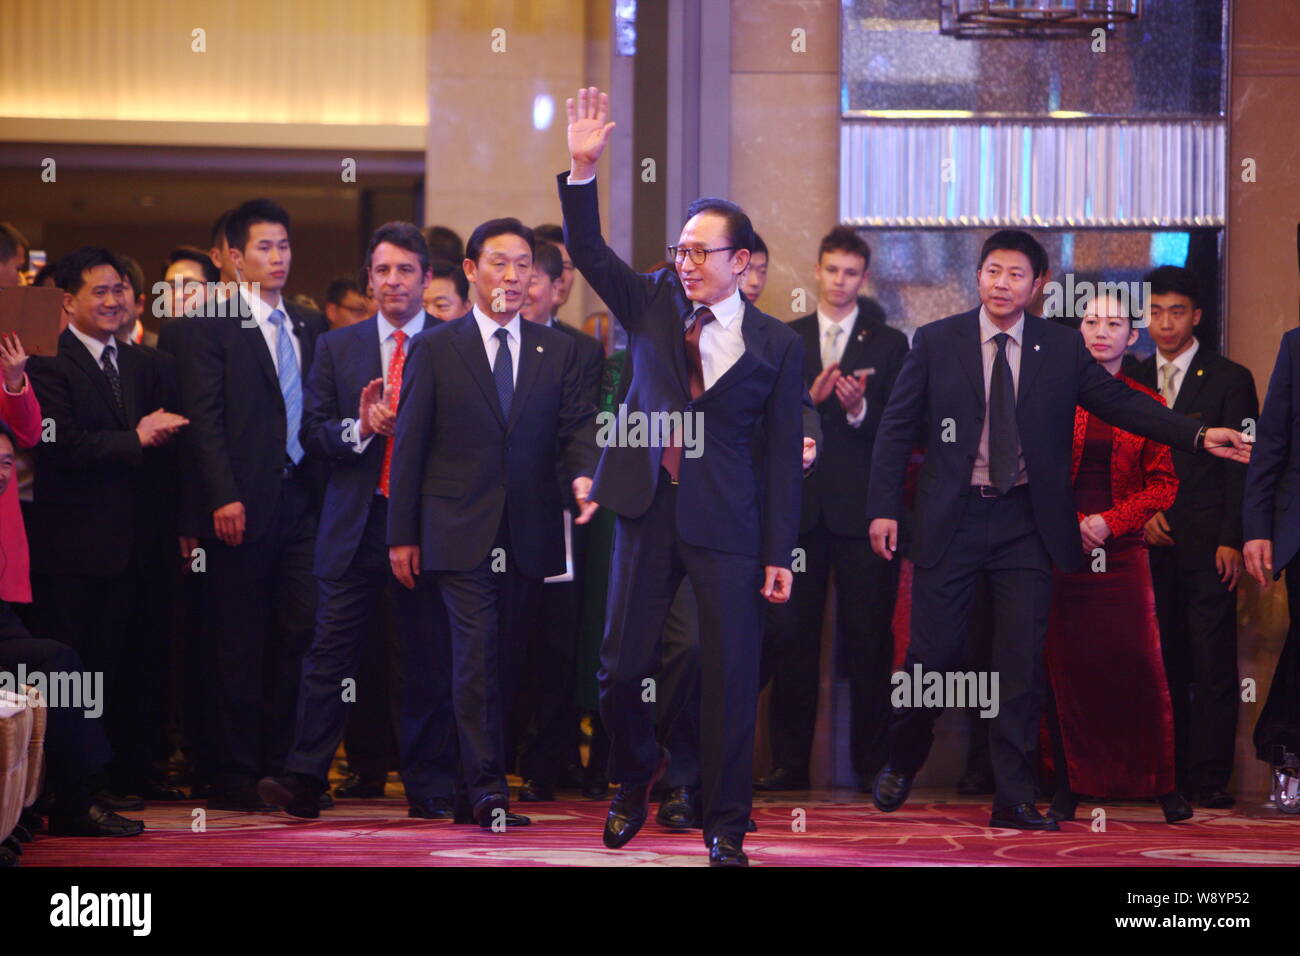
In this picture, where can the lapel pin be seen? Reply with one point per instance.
(1200, 372)
(1037, 347)
(540, 349)
(862, 334)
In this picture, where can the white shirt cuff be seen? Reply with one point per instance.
(580, 182)
(362, 443)
(855, 421)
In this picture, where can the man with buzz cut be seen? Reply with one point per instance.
(725, 515)
(990, 394)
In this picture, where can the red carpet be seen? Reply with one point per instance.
(839, 829)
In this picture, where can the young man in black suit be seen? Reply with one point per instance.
(92, 552)
(1195, 545)
(348, 419)
(991, 395)
(259, 494)
(491, 404)
(722, 513)
(851, 358)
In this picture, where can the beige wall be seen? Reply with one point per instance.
(484, 158)
(785, 121)
(1263, 291)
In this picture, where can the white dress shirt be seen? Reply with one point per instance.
(835, 351)
(1183, 362)
(387, 349)
(261, 313)
(96, 347)
(721, 341)
(989, 353)
(487, 327)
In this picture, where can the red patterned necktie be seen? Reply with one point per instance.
(672, 455)
(392, 393)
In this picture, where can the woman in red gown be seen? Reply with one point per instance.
(1109, 710)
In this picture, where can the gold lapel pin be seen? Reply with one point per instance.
(1200, 371)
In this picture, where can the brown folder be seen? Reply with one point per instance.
(36, 314)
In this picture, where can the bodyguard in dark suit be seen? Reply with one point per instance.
(991, 395)
(847, 346)
(348, 420)
(1195, 545)
(489, 403)
(1271, 525)
(92, 553)
(259, 494)
(717, 512)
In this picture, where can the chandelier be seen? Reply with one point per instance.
(1039, 19)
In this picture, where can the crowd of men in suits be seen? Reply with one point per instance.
(417, 463)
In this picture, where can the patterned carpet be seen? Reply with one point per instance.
(823, 828)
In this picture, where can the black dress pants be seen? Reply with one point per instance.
(995, 538)
(648, 564)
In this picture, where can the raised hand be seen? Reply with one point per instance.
(12, 360)
(588, 131)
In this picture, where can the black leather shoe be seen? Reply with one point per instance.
(435, 808)
(1023, 816)
(290, 793)
(783, 778)
(677, 809)
(118, 801)
(1064, 805)
(354, 788)
(485, 812)
(1216, 799)
(1175, 807)
(891, 789)
(975, 784)
(97, 821)
(725, 852)
(533, 792)
(628, 809)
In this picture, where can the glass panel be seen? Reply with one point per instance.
(1170, 62)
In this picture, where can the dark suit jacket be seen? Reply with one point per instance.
(943, 378)
(1273, 476)
(237, 416)
(591, 365)
(835, 494)
(730, 499)
(458, 464)
(175, 337)
(91, 504)
(346, 360)
(1207, 512)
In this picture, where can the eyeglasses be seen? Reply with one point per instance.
(678, 253)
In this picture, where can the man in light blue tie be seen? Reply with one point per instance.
(260, 495)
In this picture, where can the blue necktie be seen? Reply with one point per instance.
(504, 373)
(290, 385)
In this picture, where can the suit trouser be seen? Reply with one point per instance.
(679, 690)
(865, 589)
(486, 608)
(648, 564)
(996, 538)
(345, 612)
(260, 600)
(547, 719)
(76, 747)
(103, 620)
(1198, 639)
(370, 734)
